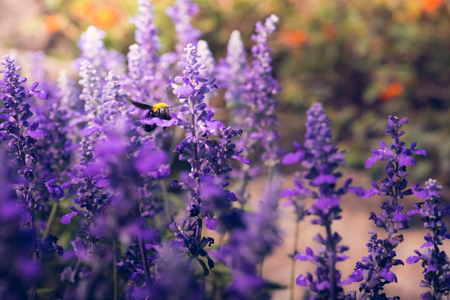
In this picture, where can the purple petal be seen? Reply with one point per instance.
(427, 244)
(241, 159)
(34, 86)
(289, 192)
(56, 191)
(38, 134)
(161, 173)
(214, 124)
(67, 218)
(421, 152)
(102, 183)
(210, 223)
(42, 95)
(370, 162)
(67, 185)
(292, 158)
(89, 130)
(324, 179)
(407, 161)
(302, 280)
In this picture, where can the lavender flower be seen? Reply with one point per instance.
(22, 136)
(181, 13)
(68, 93)
(92, 98)
(146, 34)
(93, 50)
(374, 270)
(23, 152)
(16, 265)
(207, 60)
(114, 99)
(208, 158)
(231, 73)
(252, 237)
(259, 121)
(146, 73)
(321, 158)
(39, 74)
(91, 93)
(435, 261)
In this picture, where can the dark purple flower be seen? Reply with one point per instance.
(376, 266)
(434, 261)
(320, 158)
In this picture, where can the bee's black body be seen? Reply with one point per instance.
(160, 110)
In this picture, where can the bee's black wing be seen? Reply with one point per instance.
(141, 105)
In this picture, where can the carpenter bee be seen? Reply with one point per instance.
(159, 110)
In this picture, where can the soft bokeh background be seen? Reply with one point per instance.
(363, 59)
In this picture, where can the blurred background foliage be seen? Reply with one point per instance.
(363, 59)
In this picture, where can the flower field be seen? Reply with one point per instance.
(183, 150)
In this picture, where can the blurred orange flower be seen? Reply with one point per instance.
(82, 10)
(105, 16)
(293, 38)
(429, 6)
(391, 91)
(329, 31)
(52, 23)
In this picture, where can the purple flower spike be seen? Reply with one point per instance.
(435, 261)
(376, 266)
(181, 13)
(320, 158)
(207, 156)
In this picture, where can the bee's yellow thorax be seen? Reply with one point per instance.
(159, 105)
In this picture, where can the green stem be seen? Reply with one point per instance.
(50, 218)
(166, 201)
(222, 235)
(36, 259)
(115, 269)
(142, 250)
(94, 269)
(332, 264)
(292, 284)
(177, 135)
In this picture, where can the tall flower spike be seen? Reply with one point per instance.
(232, 71)
(207, 157)
(22, 138)
(68, 93)
(144, 71)
(206, 59)
(91, 93)
(436, 263)
(252, 237)
(93, 50)
(114, 99)
(181, 13)
(259, 119)
(321, 158)
(374, 270)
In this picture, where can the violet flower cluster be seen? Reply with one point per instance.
(147, 76)
(132, 235)
(255, 112)
(181, 13)
(436, 263)
(207, 157)
(374, 271)
(23, 153)
(321, 158)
